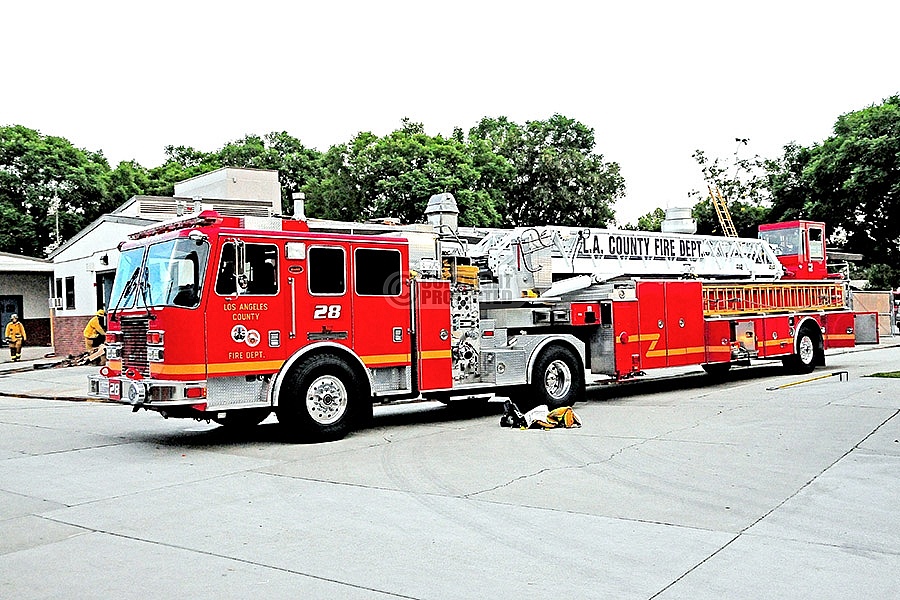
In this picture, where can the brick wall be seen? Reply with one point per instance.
(68, 335)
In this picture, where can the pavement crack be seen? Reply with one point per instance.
(246, 561)
(744, 531)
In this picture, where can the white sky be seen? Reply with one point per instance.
(655, 80)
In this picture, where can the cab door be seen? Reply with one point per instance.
(244, 324)
(322, 297)
(382, 316)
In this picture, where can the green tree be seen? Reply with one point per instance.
(882, 277)
(127, 180)
(652, 221)
(394, 175)
(742, 182)
(851, 181)
(46, 184)
(338, 192)
(182, 162)
(558, 178)
(298, 166)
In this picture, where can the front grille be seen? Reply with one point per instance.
(134, 344)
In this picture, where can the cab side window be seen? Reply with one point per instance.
(327, 269)
(816, 244)
(225, 276)
(378, 272)
(260, 270)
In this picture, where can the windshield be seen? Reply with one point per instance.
(786, 242)
(172, 275)
(123, 291)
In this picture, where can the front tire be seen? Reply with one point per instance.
(320, 399)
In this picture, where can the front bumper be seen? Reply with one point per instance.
(147, 393)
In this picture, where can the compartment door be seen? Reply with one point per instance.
(651, 297)
(434, 361)
(685, 340)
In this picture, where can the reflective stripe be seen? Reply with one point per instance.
(382, 359)
(430, 354)
(200, 370)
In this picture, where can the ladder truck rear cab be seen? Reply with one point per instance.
(229, 319)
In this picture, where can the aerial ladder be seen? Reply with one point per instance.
(550, 260)
(739, 275)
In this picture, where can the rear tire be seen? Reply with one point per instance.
(556, 380)
(320, 399)
(804, 361)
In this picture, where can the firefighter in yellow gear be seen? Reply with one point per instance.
(94, 334)
(15, 335)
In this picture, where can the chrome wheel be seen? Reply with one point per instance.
(326, 399)
(806, 350)
(557, 379)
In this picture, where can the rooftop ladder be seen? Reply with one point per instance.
(718, 202)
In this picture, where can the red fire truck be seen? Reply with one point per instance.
(229, 319)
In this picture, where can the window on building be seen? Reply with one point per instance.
(70, 292)
(58, 289)
(377, 272)
(327, 271)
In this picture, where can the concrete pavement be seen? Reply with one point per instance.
(679, 488)
(37, 376)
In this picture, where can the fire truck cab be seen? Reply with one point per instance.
(800, 247)
(212, 319)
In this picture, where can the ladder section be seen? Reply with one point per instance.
(738, 298)
(544, 253)
(718, 202)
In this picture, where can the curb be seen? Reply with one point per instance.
(60, 398)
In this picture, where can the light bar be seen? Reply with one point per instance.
(204, 219)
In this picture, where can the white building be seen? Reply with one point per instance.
(84, 267)
(24, 288)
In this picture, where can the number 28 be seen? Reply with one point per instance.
(327, 311)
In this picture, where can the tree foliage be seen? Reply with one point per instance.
(652, 221)
(557, 176)
(851, 181)
(395, 175)
(742, 182)
(501, 174)
(45, 180)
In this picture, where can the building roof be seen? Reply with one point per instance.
(107, 218)
(16, 263)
